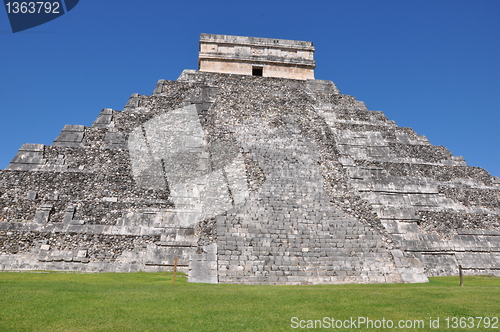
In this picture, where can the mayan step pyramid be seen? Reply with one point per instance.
(248, 171)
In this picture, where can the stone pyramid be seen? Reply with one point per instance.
(248, 171)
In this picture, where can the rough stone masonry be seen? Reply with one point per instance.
(249, 177)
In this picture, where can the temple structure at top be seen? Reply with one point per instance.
(256, 56)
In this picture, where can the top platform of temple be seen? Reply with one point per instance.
(256, 56)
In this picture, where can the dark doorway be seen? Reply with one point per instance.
(257, 71)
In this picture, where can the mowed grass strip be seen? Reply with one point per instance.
(149, 302)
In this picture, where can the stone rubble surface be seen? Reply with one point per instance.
(250, 180)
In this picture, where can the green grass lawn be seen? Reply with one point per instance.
(149, 302)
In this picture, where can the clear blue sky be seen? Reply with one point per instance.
(430, 65)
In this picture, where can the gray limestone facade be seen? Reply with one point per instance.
(252, 180)
(256, 56)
